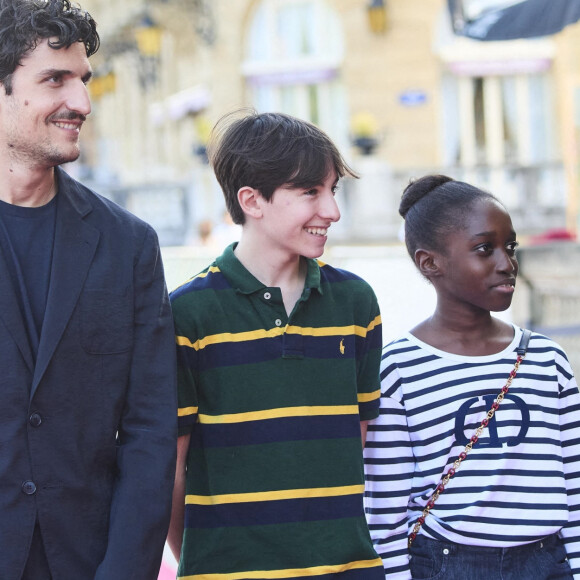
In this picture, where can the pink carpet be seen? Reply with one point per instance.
(167, 572)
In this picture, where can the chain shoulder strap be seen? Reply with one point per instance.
(521, 352)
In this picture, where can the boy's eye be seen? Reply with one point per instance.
(312, 191)
(483, 248)
(335, 189)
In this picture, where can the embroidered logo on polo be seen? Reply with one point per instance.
(492, 439)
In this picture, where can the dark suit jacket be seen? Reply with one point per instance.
(88, 433)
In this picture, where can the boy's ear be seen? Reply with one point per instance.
(249, 200)
(428, 262)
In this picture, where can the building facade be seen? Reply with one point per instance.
(398, 92)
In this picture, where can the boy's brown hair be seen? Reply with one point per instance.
(267, 150)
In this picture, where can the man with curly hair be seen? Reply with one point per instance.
(87, 420)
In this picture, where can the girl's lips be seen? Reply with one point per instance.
(507, 288)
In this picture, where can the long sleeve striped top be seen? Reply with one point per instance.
(520, 483)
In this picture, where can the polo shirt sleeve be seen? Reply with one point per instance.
(186, 392)
(369, 384)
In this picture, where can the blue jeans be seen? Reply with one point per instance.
(434, 560)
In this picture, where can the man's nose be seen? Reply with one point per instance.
(78, 99)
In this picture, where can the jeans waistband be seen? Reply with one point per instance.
(547, 542)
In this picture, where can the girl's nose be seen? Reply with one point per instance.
(507, 262)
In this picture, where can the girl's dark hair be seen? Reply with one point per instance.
(25, 23)
(268, 150)
(434, 206)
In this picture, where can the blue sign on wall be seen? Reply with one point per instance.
(413, 98)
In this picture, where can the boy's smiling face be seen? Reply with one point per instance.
(295, 221)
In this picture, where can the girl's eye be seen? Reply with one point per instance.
(484, 248)
(334, 189)
(511, 247)
(312, 192)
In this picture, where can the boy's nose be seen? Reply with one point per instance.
(329, 209)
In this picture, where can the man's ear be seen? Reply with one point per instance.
(249, 200)
(429, 263)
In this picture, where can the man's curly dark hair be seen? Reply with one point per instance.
(25, 23)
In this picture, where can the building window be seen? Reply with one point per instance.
(502, 120)
(294, 51)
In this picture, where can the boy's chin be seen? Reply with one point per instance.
(314, 254)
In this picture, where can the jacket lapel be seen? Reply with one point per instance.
(10, 314)
(75, 243)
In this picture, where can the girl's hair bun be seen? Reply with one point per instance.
(418, 189)
(434, 206)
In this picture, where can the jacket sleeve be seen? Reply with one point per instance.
(147, 434)
(389, 466)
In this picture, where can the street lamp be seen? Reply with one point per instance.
(377, 13)
(148, 38)
(364, 132)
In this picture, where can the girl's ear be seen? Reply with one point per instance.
(249, 200)
(428, 262)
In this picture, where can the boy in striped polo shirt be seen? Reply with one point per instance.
(278, 373)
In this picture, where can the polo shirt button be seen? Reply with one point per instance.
(278, 322)
(29, 487)
(267, 295)
(35, 420)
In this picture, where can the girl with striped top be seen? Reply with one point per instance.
(512, 509)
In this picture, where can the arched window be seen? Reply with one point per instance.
(294, 51)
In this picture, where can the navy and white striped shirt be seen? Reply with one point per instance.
(521, 481)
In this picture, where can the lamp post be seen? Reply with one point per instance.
(148, 37)
(377, 14)
(364, 131)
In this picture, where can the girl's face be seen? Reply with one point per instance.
(479, 267)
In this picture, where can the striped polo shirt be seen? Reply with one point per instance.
(273, 404)
(521, 481)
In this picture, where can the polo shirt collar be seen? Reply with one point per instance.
(244, 282)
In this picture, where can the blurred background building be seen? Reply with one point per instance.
(399, 92)
(391, 81)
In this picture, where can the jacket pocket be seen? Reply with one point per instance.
(106, 322)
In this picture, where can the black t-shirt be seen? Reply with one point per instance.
(27, 240)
